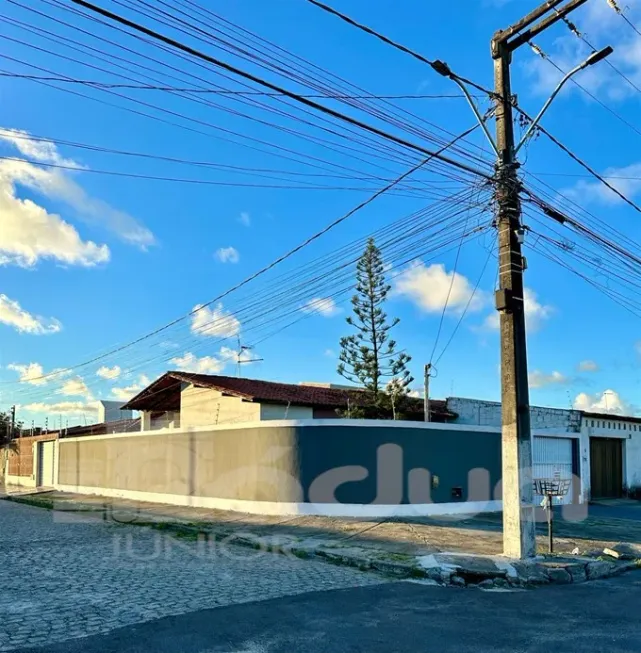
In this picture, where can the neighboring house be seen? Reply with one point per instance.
(112, 411)
(31, 459)
(184, 400)
(611, 451)
(603, 449)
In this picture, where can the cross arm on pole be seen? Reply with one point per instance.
(443, 69)
(503, 35)
(542, 25)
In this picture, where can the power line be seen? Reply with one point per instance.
(621, 13)
(268, 267)
(274, 87)
(449, 293)
(438, 67)
(314, 75)
(306, 288)
(467, 305)
(245, 100)
(378, 35)
(610, 110)
(205, 182)
(150, 87)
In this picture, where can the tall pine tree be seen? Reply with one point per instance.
(369, 356)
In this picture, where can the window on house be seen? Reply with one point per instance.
(619, 426)
(592, 423)
(609, 425)
(625, 427)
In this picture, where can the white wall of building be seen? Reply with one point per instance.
(111, 411)
(614, 427)
(279, 411)
(488, 413)
(207, 407)
(545, 422)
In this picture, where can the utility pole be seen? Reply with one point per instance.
(426, 392)
(519, 536)
(516, 440)
(12, 433)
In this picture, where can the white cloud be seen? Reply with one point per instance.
(127, 392)
(29, 233)
(244, 219)
(105, 372)
(227, 255)
(230, 355)
(205, 365)
(627, 180)
(59, 185)
(188, 362)
(12, 314)
(608, 401)
(74, 388)
(330, 353)
(214, 322)
(62, 407)
(539, 379)
(324, 306)
(535, 312)
(429, 287)
(30, 373)
(588, 366)
(41, 150)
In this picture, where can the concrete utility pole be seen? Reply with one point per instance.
(13, 423)
(518, 511)
(426, 390)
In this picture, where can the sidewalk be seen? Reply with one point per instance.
(460, 551)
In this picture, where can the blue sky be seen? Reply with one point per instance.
(92, 261)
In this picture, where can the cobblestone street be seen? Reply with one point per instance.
(62, 580)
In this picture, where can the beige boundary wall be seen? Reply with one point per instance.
(358, 468)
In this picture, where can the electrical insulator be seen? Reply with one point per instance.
(537, 50)
(614, 6)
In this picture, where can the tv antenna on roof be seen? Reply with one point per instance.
(239, 356)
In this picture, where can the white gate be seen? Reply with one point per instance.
(552, 457)
(46, 464)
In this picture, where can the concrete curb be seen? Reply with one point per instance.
(454, 569)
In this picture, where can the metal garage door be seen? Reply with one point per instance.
(552, 458)
(45, 464)
(606, 468)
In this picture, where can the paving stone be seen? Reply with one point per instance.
(73, 579)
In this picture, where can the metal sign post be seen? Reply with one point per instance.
(550, 488)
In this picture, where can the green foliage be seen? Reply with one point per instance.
(368, 357)
(6, 436)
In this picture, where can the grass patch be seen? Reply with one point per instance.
(37, 502)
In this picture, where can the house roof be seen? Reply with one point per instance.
(164, 393)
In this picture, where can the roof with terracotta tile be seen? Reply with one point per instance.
(164, 393)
